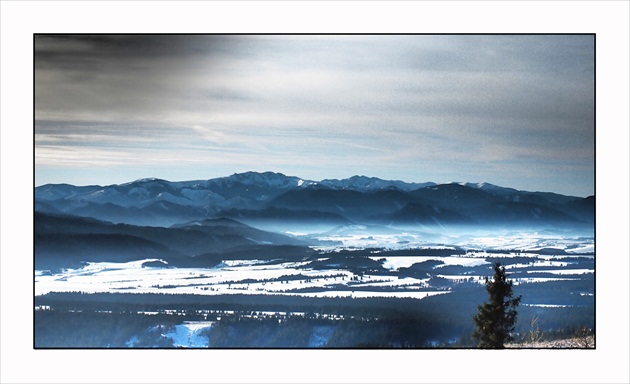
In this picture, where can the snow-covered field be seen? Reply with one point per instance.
(530, 241)
(396, 262)
(297, 278)
(360, 237)
(235, 277)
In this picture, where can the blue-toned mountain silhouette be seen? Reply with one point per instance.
(256, 198)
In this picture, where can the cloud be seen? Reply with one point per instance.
(351, 99)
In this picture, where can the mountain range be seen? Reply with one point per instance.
(260, 199)
(273, 216)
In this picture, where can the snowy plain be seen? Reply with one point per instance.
(296, 278)
(533, 259)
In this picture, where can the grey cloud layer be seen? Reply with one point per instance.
(516, 98)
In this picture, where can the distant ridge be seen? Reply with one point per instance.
(364, 183)
(260, 197)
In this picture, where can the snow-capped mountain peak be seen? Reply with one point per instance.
(365, 184)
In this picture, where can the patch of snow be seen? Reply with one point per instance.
(547, 305)
(565, 271)
(188, 334)
(397, 262)
(320, 336)
(371, 294)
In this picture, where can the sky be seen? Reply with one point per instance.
(512, 110)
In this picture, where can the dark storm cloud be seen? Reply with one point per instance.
(114, 73)
(86, 50)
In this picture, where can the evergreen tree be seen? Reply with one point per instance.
(496, 319)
